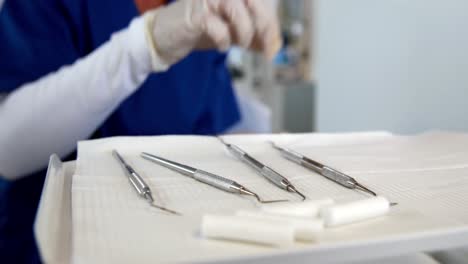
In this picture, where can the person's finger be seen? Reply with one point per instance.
(267, 36)
(238, 17)
(217, 31)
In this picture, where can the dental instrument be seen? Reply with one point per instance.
(267, 172)
(327, 172)
(139, 184)
(205, 177)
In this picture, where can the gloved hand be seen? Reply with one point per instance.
(187, 25)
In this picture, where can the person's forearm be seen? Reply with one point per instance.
(50, 115)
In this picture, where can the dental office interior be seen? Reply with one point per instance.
(361, 65)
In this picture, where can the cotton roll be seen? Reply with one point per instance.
(249, 230)
(308, 209)
(343, 214)
(305, 229)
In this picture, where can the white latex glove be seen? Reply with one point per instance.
(187, 25)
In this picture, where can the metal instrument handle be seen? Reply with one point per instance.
(313, 165)
(236, 151)
(275, 178)
(169, 164)
(241, 155)
(265, 171)
(292, 156)
(338, 177)
(140, 186)
(257, 165)
(215, 180)
(137, 182)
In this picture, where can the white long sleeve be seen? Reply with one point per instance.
(50, 115)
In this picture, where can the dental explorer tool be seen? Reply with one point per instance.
(139, 184)
(205, 177)
(267, 172)
(329, 173)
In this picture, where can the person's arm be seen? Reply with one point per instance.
(50, 115)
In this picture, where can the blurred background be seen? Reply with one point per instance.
(359, 65)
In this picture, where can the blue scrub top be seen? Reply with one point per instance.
(38, 37)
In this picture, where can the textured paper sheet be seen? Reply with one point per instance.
(427, 175)
(52, 227)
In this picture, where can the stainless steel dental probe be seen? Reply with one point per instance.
(139, 184)
(267, 172)
(205, 177)
(329, 173)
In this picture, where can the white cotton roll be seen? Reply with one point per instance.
(305, 229)
(342, 214)
(309, 209)
(246, 229)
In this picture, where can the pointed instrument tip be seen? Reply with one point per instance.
(166, 209)
(291, 188)
(274, 201)
(365, 189)
(260, 200)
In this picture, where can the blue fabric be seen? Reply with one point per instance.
(18, 204)
(38, 37)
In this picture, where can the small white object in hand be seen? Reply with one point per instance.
(342, 214)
